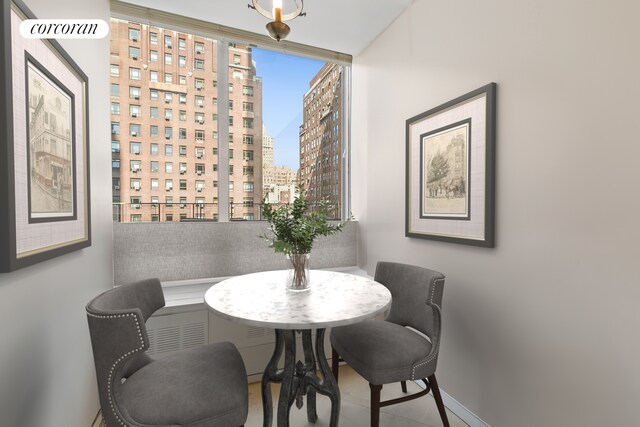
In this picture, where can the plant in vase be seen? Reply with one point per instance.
(293, 230)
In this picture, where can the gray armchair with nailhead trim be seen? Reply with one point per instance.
(202, 387)
(405, 346)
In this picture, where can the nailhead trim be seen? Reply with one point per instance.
(120, 359)
(435, 353)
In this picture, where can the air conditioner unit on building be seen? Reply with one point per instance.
(168, 45)
(199, 172)
(134, 133)
(134, 114)
(116, 187)
(135, 58)
(168, 189)
(134, 39)
(183, 205)
(136, 97)
(198, 156)
(200, 121)
(135, 206)
(198, 87)
(182, 172)
(167, 118)
(166, 101)
(199, 189)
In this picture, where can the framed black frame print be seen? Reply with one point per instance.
(450, 170)
(44, 148)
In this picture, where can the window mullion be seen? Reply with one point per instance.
(223, 131)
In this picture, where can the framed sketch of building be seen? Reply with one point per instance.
(51, 146)
(450, 170)
(44, 148)
(444, 170)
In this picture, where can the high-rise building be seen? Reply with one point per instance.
(268, 145)
(164, 131)
(321, 139)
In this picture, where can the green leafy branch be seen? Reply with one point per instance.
(293, 228)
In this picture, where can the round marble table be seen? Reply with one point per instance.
(262, 299)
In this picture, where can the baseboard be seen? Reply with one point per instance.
(458, 409)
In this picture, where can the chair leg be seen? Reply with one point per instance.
(375, 404)
(436, 395)
(335, 363)
(403, 384)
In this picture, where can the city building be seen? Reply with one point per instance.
(268, 145)
(279, 182)
(164, 126)
(321, 139)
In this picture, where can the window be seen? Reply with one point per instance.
(199, 48)
(215, 167)
(167, 42)
(168, 150)
(247, 123)
(115, 164)
(168, 59)
(199, 185)
(182, 80)
(247, 90)
(134, 110)
(168, 97)
(230, 87)
(198, 64)
(214, 134)
(134, 92)
(134, 129)
(115, 89)
(182, 133)
(153, 94)
(115, 146)
(153, 76)
(247, 139)
(199, 152)
(183, 168)
(134, 34)
(231, 104)
(182, 62)
(115, 108)
(153, 56)
(199, 168)
(236, 59)
(153, 129)
(154, 166)
(230, 169)
(214, 101)
(214, 151)
(135, 148)
(214, 117)
(199, 101)
(182, 150)
(134, 73)
(247, 187)
(230, 120)
(247, 155)
(154, 183)
(168, 186)
(231, 185)
(168, 114)
(247, 170)
(248, 216)
(134, 53)
(135, 184)
(153, 149)
(115, 70)
(183, 115)
(153, 38)
(199, 118)
(247, 106)
(199, 135)
(168, 167)
(199, 84)
(183, 184)
(168, 78)
(247, 202)
(182, 44)
(115, 128)
(168, 133)
(134, 166)
(153, 112)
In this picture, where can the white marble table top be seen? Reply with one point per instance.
(261, 299)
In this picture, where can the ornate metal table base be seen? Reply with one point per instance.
(299, 379)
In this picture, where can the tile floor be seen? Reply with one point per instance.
(354, 411)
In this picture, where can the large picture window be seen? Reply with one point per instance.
(284, 121)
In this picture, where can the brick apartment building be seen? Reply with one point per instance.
(164, 131)
(321, 138)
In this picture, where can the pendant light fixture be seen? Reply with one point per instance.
(279, 11)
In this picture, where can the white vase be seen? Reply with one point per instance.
(298, 274)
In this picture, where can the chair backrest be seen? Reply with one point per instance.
(413, 290)
(119, 338)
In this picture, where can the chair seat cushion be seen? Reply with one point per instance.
(206, 386)
(381, 352)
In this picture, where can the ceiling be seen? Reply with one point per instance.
(346, 26)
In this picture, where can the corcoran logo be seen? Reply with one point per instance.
(64, 28)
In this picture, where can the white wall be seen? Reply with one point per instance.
(46, 366)
(543, 329)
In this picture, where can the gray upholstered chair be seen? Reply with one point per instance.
(403, 347)
(202, 387)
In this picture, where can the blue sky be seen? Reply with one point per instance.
(285, 79)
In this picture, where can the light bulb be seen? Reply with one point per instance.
(277, 10)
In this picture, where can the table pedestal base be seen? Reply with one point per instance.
(299, 379)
